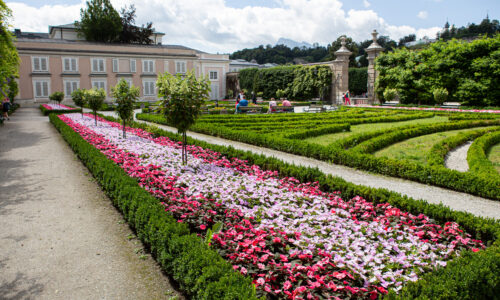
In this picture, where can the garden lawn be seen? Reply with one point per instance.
(355, 129)
(291, 238)
(494, 156)
(417, 149)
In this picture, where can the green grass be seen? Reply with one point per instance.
(416, 149)
(494, 156)
(355, 129)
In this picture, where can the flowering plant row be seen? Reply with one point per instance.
(293, 239)
(57, 108)
(51, 106)
(490, 111)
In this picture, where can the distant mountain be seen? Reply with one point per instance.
(292, 44)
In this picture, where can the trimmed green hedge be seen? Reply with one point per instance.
(358, 80)
(477, 158)
(438, 152)
(472, 276)
(46, 112)
(200, 271)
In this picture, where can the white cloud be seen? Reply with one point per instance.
(212, 26)
(366, 3)
(423, 14)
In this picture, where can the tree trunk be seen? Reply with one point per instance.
(124, 134)
(184, 148)
(81, 107)
(95, 117)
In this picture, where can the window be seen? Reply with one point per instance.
(115, 65)
(213, 75)
(165, 66)
(98, 65)
(132, 66)
(41, 88)
(148, 66)
(70, 86)
(148, 88)
(70, 64)
(99, 84)
(40, 64)
(180, 67)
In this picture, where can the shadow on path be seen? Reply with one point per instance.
(21, 287)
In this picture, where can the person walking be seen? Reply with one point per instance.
(6, 108)
(346, 98)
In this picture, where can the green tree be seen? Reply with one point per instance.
(125, 96)
(182, 99)
(13, 89)
(440, 95)
(9, 58)
(57, 97)
(100, 22)
(95, 99)
(78, 97)
(130, 32)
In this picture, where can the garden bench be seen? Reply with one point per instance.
(314, 108)
(390, 103)
(250, 109)
(450, 105)
(204, 110)
(282, 109)
(332, 108)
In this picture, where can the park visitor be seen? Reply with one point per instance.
(272, 106)
(286, 103)
(6, 108)
(243, 102)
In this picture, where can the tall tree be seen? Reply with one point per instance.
(100, 22)
(9, 58)
(130, 32)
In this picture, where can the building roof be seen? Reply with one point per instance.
(30, 35)
(72, 26)
(242, 62)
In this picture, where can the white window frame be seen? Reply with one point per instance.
(40, 64)
(133, 62)
(99, 80)
(98, 59)
(65, 81)
(183, 63)
(64, 58)
(116, 65)
(146, 62)
(216, 75)
(148, 81)
(34, 88)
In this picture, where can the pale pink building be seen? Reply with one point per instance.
(62, 61)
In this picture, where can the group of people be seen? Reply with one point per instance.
(5, 108)
(241, 101)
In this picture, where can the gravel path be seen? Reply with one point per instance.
(60, 237)
(457, 158)
(432, 194)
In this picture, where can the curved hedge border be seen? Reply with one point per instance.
(477, 158)
(438, 152)
(464, 182)
(200, 271)
(46, 112)
(472, 276)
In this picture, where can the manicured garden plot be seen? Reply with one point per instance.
(199, 210)
(354, 151)
(494, 156)
(57, 109)
(328, 139)
(417, 149)
(477, 155)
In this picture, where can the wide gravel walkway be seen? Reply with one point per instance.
(432, 194)
(60, 236)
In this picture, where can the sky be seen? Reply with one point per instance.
(224, 26)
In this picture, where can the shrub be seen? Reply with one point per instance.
(358, 80)
(440, 95)
(57, 96)
(390, 94)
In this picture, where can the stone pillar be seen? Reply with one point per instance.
(373, 51)
(341, 73)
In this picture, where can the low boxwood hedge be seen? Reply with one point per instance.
(477, 155)
(200, 271)
(46, 112)
(471, 276)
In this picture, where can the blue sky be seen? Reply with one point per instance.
(226, 26)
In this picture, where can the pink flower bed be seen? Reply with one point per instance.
(433, 109)
(51, 106)
(294, 240)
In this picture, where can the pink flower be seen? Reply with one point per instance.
(260, 281)
(243, 271)
(203, 227)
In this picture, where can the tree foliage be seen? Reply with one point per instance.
(57, 96)
(125, 96)
(281, 54)
(9, 58)
(100, 22)
(469, 71)
(78, 97)
(358, 80)
(182, 100)
(13, 89)
(131, 33)
(95, 99)
(486, 27)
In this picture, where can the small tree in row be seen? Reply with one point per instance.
(78, 97)
(125, 96)
(182, 99)
(95, 99)
(57, 97)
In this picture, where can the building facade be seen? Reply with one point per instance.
(62, 61)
